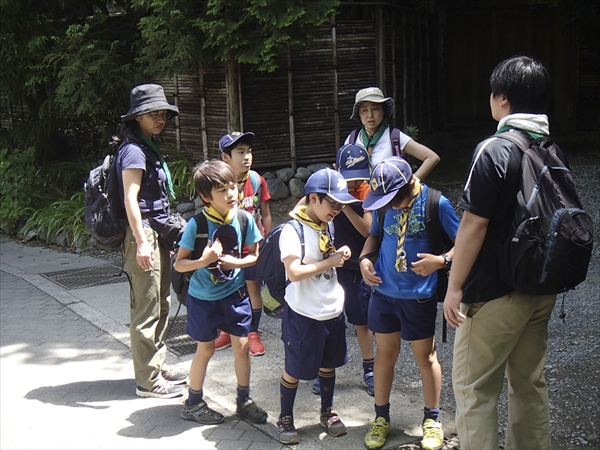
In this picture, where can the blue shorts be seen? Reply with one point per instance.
(414, 319)
(250, 273)
(232, 314)
(311, 344)
(357, 294)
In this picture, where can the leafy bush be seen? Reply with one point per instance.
(21, 186)
(182, 171)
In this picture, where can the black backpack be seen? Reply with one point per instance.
(103, 207)
(270, 270)
(549, 246)
(181, 280)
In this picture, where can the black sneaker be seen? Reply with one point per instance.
(248, 409)
(201, 413)
(174, 377)
(163, 390)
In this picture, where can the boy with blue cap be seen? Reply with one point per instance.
(313, 322)
(403, 279)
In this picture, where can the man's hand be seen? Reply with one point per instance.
(452, 307)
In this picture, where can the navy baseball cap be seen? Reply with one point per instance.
(387, 178)
(331, 183)
(230, 139)
(352, 161)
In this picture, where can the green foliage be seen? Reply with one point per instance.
(21, 187)
(182, 171)
(60, 216)
(412, 131)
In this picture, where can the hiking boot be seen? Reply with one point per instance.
(332, 423)
(174, 377)
(222, 341)
(164, 390)
(201, 413)
(256, 346)
(248, 409)
(316, 387)
(369, 383)
(377, 434)
(433, 435)
(287, 431)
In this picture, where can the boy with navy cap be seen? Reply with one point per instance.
(352, 229)
(236, 150)
(313, 323)
(217, 295)
(403, 302)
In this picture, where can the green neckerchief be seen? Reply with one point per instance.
(371, 142)
(154, 146)
(508, 128)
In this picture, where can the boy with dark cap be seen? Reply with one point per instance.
(403, 302)
(236, 150)
(313, 326)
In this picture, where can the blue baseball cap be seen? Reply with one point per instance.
(331, 183)
(230, 139)
(387, 178)
(352, 161)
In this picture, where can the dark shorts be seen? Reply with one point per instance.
(232, 314)
(250, 273)
(357, 294)
(414, 319)
(311, 344)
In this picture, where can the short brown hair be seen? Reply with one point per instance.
(210, 175)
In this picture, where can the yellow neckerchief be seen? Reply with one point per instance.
(241, 184)
(325, 244)
(213, 215)
(400, 253)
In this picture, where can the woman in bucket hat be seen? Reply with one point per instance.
(381, 140)
(146, 186)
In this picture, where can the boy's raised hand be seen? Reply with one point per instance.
(213, 251)
(427, 264)
(340, 256)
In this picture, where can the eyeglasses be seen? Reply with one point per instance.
(335, 205)
(159, 115)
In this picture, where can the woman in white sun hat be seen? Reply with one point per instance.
(372, 109)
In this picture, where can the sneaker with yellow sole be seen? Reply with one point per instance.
(377, 434)
(433, 435)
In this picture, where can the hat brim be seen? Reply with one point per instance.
(356, 174)
(373, 201)
(147, 108)
(343, 198)
(389, 105)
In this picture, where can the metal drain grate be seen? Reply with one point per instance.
(87, 277)
(178, 340)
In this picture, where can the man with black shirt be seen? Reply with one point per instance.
(500, 330)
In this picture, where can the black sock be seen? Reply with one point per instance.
(243, 392)
(256, 314)
(383, 411)
(194, 396)
(368, 365)
(287, 393)
(327, 382)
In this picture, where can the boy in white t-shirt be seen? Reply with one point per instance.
(313, 328)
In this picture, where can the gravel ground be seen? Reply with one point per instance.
(572, 369)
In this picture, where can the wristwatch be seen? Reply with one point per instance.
(447, 262)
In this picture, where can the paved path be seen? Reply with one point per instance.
(67, 378)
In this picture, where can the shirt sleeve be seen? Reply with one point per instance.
(289, 242)
(375, 224)
(132, 157)
(188, 239)
(448, 218)
(404, 139)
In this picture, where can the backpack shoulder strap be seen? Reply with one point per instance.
(300, 231)
(256, 187)
(242, 218)
(201, 235)
(395, 139)
(439, 240)
(353, 136)
(520, 139)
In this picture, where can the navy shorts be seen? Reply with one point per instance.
(311, 344)
(250, 273)
(357, 294)
(232, 314)
(414, 319)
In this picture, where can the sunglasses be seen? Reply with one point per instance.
(337, 206)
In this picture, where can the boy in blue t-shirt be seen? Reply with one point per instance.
(217, 295)
(403, 303)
